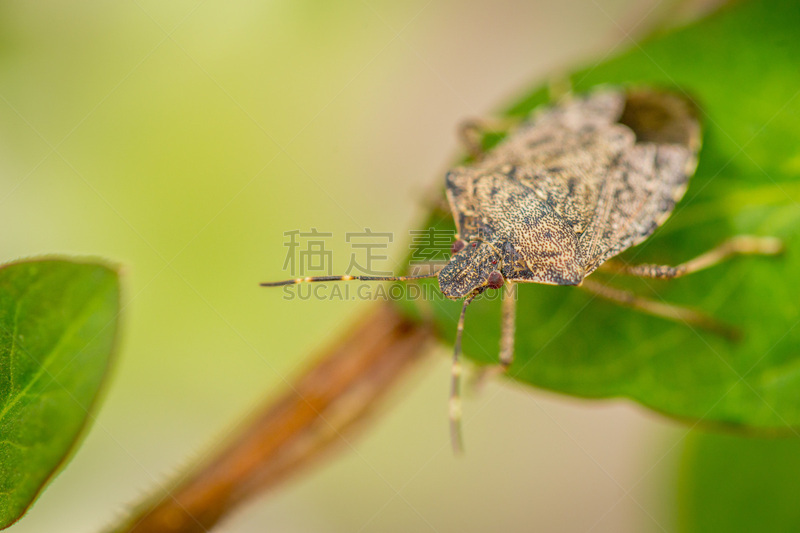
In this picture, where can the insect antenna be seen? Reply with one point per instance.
(345, 278)
(455, 382)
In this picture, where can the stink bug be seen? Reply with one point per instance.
(571, 187)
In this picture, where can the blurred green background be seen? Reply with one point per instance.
(181, 139)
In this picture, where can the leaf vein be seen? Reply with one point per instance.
(68, 332)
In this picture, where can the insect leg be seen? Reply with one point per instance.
(472, 131)
(507, 331)
(508, 326)
(455, 383)
(661, 309)
(741, 245)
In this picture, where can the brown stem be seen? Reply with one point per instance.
(319, 411)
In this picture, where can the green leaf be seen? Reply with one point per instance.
(731, 484)
(58, 321)
(741, 66)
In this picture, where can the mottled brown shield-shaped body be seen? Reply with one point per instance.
(576, 184)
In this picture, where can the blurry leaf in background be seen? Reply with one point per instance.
(58, 321)
(740, 65)
(735, 484)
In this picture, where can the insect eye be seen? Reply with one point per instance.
(458, 245)
(495, 280)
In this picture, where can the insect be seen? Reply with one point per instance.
(572, 186)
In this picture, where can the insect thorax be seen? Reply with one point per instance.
(507, 227)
